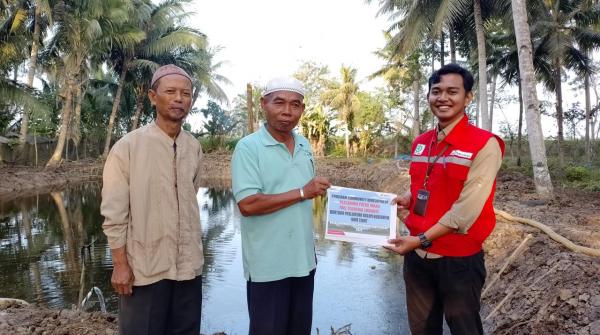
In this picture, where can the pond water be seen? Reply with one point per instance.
(52, 252)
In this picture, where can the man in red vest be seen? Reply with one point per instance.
(453, 177)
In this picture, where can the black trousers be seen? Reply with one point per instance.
(281, 307)
(447, 286)
(165, 307)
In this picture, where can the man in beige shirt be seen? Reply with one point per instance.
(450, 203)
(152, 218)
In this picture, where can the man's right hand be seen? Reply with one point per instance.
(316, 186)
(122, 279)
(122, 275)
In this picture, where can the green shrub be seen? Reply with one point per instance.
(593, 186)
(217, 143)
(577, 173)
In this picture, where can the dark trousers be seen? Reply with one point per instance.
(281, 307)
(165, 307)
(447, 286)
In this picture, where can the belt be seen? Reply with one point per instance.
(427, 255)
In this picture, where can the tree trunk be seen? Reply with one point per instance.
(35, 148)
(432, 55)
(64, 127)
(320, 148)
(196, 95)
(115, 109)
(249, 104)
(452, 47)
(588, 117)
(481, 53)
(541, 175)
(595, 116)
(76, 130)
(520, 131)
(31, 72)
(559, 112)
(442, 42)
(416, 126)
(347, 141)
(492, 101)
(139, 106)
(477, 118)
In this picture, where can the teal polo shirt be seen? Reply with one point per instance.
(280, 244)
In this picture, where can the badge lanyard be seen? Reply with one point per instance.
(420, 206)
(430, 165)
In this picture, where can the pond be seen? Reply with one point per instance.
(52, 252)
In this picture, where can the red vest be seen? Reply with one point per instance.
(445, 184)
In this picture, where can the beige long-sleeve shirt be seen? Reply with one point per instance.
(477, 186)
(149, 204)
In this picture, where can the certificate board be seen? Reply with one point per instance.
(360, 216)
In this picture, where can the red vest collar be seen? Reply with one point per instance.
(455, 135)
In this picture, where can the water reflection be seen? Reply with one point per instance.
(52, 252)
(41, 242)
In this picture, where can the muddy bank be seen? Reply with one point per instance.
(547, 289)
(19, 181)
(17, 319)
(20, 320)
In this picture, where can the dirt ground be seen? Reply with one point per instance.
(20, 181)
(546, 289)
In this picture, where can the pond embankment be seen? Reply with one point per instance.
(544, 289)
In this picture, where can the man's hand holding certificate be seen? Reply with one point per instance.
(360, 216)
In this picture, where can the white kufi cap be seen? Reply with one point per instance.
(284, 84)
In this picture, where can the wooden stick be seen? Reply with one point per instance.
(515, 253)
(551, 233)
(510, 293)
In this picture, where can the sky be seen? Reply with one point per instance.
(262, 39)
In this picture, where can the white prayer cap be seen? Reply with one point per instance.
(284, 84)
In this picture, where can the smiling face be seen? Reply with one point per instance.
(448, 98)
(283, 110)
(172, 97)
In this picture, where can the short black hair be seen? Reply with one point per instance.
(467, 77)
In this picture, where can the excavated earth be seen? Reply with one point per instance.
(545, 289)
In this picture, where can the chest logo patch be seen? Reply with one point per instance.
(419, 149)
(461, 154)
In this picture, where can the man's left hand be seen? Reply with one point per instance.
(403, 244)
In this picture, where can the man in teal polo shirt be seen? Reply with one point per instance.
(273, 173)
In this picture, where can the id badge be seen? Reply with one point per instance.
(421, 203)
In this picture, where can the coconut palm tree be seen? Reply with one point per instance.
(541, 175)
(165, 42)
(421, 19)
(206, 76)
(564, 44)
(84, 28)
(405, 72)
(13, 47)
(123, 55)
(316, 126)
(343, 98)
(41, 12)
